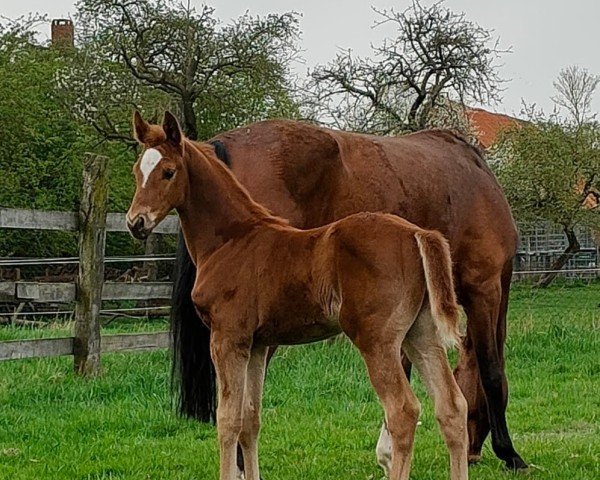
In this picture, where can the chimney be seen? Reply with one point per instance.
(63, 33)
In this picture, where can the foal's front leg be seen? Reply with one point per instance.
(230, 357)
(240, 456)
(251, 411)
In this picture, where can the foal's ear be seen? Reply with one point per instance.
(172, 129)
(141, 128)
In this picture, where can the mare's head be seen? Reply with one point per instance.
(161, 175)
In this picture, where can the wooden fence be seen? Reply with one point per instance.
(90, 289)
(92, 222)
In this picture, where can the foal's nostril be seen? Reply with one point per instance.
(139, 224)
(137, 227)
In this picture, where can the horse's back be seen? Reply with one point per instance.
(435, 179)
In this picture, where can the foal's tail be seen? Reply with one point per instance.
(437, 264)
(193, 373)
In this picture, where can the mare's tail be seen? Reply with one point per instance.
(193, 374)
(437, 264)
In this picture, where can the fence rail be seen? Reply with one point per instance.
(57, 347)
(48, 292)
(23, 262)
(18, 218)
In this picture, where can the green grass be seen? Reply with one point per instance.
(63, 328)
(321, 419)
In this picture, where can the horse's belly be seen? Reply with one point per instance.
(294, 331)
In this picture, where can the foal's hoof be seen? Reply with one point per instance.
(474, 458)
(516, 463)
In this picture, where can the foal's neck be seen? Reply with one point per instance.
(218, 209)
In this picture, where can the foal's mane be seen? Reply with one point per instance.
(237, 190)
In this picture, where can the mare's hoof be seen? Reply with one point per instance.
(516, 463)
(474, 458)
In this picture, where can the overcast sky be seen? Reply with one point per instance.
(545, 35)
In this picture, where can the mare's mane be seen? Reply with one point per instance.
(208, 150)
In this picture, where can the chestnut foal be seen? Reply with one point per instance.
(384, 282)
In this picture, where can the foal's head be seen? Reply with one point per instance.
(160, 174)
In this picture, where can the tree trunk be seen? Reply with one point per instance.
(572, 248)
(190, 127)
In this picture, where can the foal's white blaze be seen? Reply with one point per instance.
(149, 161)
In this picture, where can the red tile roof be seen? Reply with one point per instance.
(488, 125)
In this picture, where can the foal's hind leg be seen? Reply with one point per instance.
(380, 349)
(424, 347)
(401, 407)
(383, 451)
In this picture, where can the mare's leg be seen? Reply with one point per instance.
(467, 376)
(425, 349)
(485, 305)
(407, 365)
(240, 455)
(251, 412)
(231, 361)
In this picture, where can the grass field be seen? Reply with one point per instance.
(321, 419)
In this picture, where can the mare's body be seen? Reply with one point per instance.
(435, 179)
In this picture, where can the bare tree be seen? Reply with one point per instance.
(438, 61)
(171, 47)
(575, 88)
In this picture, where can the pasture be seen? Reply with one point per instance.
(321, 419)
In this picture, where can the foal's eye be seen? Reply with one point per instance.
(168, 174)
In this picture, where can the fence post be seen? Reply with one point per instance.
(92, 240)
(151, 247)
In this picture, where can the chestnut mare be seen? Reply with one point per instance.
(386, 283)
(313, 176)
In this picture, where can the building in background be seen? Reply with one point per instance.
(62, 33)
(487, 126)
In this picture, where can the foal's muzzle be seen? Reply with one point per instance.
(140, 227)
